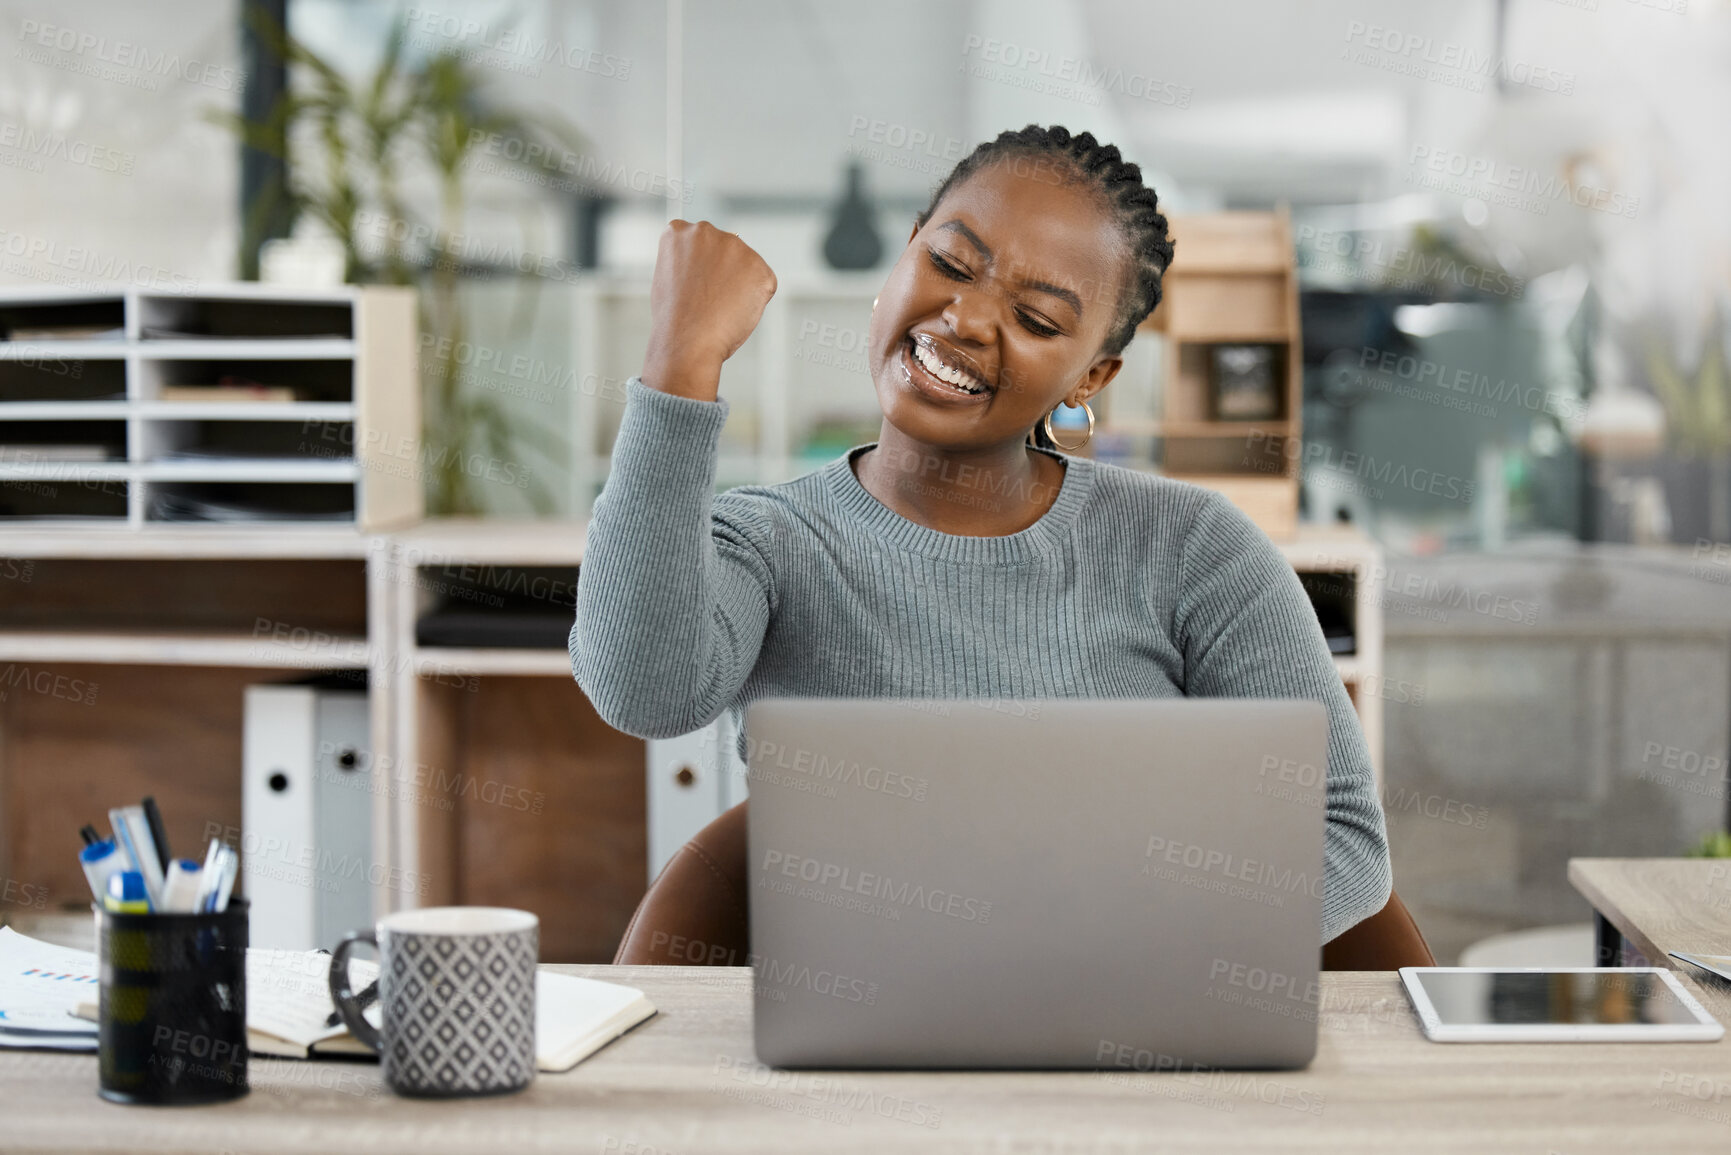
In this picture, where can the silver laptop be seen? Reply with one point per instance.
(1103, 884)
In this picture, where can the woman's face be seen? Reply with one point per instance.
(997, 309)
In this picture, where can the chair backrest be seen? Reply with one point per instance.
(695, 914)
(695, 911)
(1386, 941)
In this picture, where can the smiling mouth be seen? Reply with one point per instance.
(945, 372)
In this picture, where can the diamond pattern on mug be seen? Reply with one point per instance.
(464, 1006)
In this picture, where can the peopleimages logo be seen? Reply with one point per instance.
(819, 981)
(126, 54)
(1226, 866)
(826, 875)
(1345, 253)
(1447, 61)
(1529, 189)
(765, 757)
(1070, 76)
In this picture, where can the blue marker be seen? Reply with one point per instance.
(126, 894)
(101, 860)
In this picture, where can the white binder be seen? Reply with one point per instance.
(307, 864)
(692, 779)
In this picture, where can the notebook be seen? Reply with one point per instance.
(40, 983)
(288, 1004)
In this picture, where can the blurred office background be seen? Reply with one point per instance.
(1508, 221)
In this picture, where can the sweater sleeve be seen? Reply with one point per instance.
(1247, 630)
(673, 597)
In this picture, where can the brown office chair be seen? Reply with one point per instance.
(695, 914)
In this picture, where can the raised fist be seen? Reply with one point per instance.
(707, 296)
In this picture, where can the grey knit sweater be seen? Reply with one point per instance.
(690, 604)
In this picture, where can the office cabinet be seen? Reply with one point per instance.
(124, 408)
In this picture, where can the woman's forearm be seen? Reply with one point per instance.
(672, 603)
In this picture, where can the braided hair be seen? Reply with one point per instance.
(1083, 160)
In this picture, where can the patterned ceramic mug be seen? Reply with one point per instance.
(457, 988)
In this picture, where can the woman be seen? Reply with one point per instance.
(951, 558)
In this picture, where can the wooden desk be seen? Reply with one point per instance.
(1648, 907)
(686, 1082)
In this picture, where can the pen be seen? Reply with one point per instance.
(129, 861)
(218, 878)
(132, 834)
(158, 832)
(89, 834)
(225, 884)
(209, 875)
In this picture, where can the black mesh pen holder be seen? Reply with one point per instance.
(173, 1018)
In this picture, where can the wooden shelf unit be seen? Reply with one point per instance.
(505, 787)
(124, 659)
(345, 452)
(1232, 281)
(1342, 564)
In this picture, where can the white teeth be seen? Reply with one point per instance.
(945, 372)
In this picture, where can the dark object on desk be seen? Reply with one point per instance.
(701, 898)
(1245, 382)
(170, 983)
(512, 607)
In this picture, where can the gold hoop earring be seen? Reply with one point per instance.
(1052, 437)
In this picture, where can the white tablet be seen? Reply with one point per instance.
(1556, 1005)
